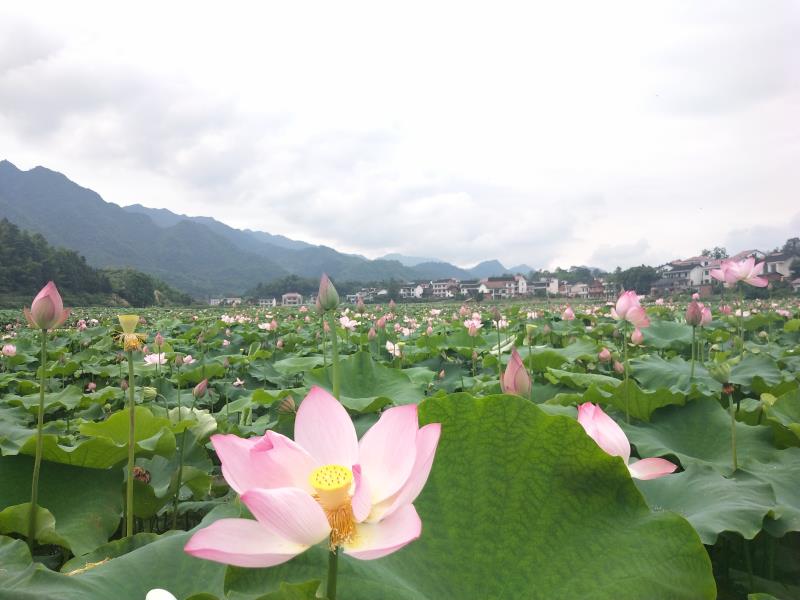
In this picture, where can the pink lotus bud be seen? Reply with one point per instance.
(694, 314)
(706, 318)
(604, 355)
(360, 305)
(618, 367)
(279, 344)
(463, 311)
(273, 325)
(372, 334)
(429, 330)
(47, 309)
(381, 323)
(473, 328)
(725, 309)
(159, 339)
(9, 350)
(200, 389)
(516, 379)
(178, 360)
(637, 337)
(568, 314)
(328, 296)
(91, 387)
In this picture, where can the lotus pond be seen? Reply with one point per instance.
(522, 500)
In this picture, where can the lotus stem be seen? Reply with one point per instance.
(333, 564)
(625, 373)
(499, 365)
(37, 461)
(335, 356)
(694, 350)
(129, 525)
(733, 431)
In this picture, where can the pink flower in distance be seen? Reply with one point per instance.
(731, 272)
(155, 359)
(47, 309)
(610, 437)
(326, 485)
(516, 379)
(725, 309)
(9, 350)
(604, 355)
(568, 314)
(628, 308)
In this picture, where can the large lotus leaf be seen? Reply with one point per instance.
(666, 334)
(783, 474)
(298, 364)
(368, 385)
(540, 358)
(700, 433)
(675, 374)
(17, 427)
(69, 398)
(462, 340)
(712, 503)
(14, 519)
(640, 404)
(108, 444)
(754, 366)
(785, 412)
(520, 504)
(581, 380)
(86, 503)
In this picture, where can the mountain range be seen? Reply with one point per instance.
(198, 255)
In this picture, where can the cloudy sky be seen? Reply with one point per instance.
(550, 133)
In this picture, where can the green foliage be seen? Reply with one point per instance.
(639, 278)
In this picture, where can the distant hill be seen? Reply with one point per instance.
(409, 261)
(198, 255)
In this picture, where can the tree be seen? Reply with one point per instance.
(639, 278)
(718, 252)
(792, 246)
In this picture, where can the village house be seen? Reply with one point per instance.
(501, 287)
(413, 290)
(444, 288)
(267, 302)
(291, 299)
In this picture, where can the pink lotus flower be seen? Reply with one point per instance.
(395, 350)
(47, 309)
(324, 485)
(694, 313)
(568, 314)
(731, 272)
(9, 350)
(516, 379)
(610, 437)
(705, 318)
(695, 296)
(637, 337)
(659, 301)
(604, 355)
(155, 359)
(188, 360)
(91, 387)
(238, 383)
(348, 323)
(628, 308)
(81, 325)
(226, 343)
(473, 325)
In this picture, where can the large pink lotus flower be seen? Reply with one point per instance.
(628, 308)
(610, 437)
(516, 379)
(731, 272)
(324, 485)
(47, 309)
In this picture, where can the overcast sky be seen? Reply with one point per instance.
(549, 133)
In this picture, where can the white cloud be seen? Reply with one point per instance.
(544, 133)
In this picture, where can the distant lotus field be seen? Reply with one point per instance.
(628, 449)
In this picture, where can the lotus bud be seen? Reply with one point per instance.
(721, 372)
(91, 387)
(287, 405)
(9, 350)
(372, 334)
(619, 367)
(360, 305)
(123, 384)
(148, 392)
(694, 314)
(328, 296)
(695, 296)
(429, 330)
(604, 355)
(318, 306)
(441, 374)
(381, 323)
(637, 337)
(279, 344)
(706, 316)
(273, 325)
(159, 339)
(392, 305)
(178, 360)
(200, 389)
(463, 311)
(47, 309)
(496, 314)
(515, 379)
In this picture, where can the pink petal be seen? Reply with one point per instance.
(325, 430)
(360, 501)
(718, 274)
(638, 317)
(427, 441)
(243, 543)
(290, 512)
(237, 466)
(651, 468)
(604, 430)
(387, 451)
(757, 281)
(374, 540)
(285, 463)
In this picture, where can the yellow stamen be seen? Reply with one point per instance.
(332, 484)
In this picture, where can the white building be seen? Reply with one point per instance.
(411, 291)
(292, 299)
(267, 302)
